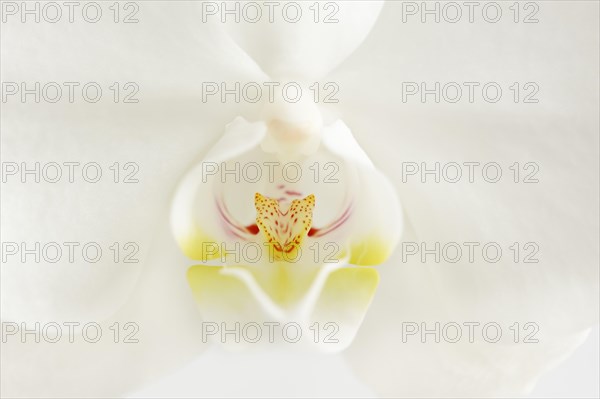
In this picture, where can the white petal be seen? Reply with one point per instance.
(195, 219)
(376, 222)
(265, 374)
(338, 139)
(559, 213)
(162, 134)
(158, 330)
(304, 49)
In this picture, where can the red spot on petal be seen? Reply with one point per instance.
(252, 229)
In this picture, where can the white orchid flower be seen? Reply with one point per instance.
(171, 133)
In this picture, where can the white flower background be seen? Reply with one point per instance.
(169, 53)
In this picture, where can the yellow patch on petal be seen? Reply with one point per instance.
(199, 246)
(284, 231)
(217, 294)
(350, 287)
(372, 250)
(342, 305)
(221, 294)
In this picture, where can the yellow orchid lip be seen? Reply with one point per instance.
(284, 230)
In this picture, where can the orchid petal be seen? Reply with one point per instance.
(343, 304)
(191, 230)
(376, 224)
(559, 213)
(153, 334)
(303, 49)
(105, 133)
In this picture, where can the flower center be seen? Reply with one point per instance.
(284, 230)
